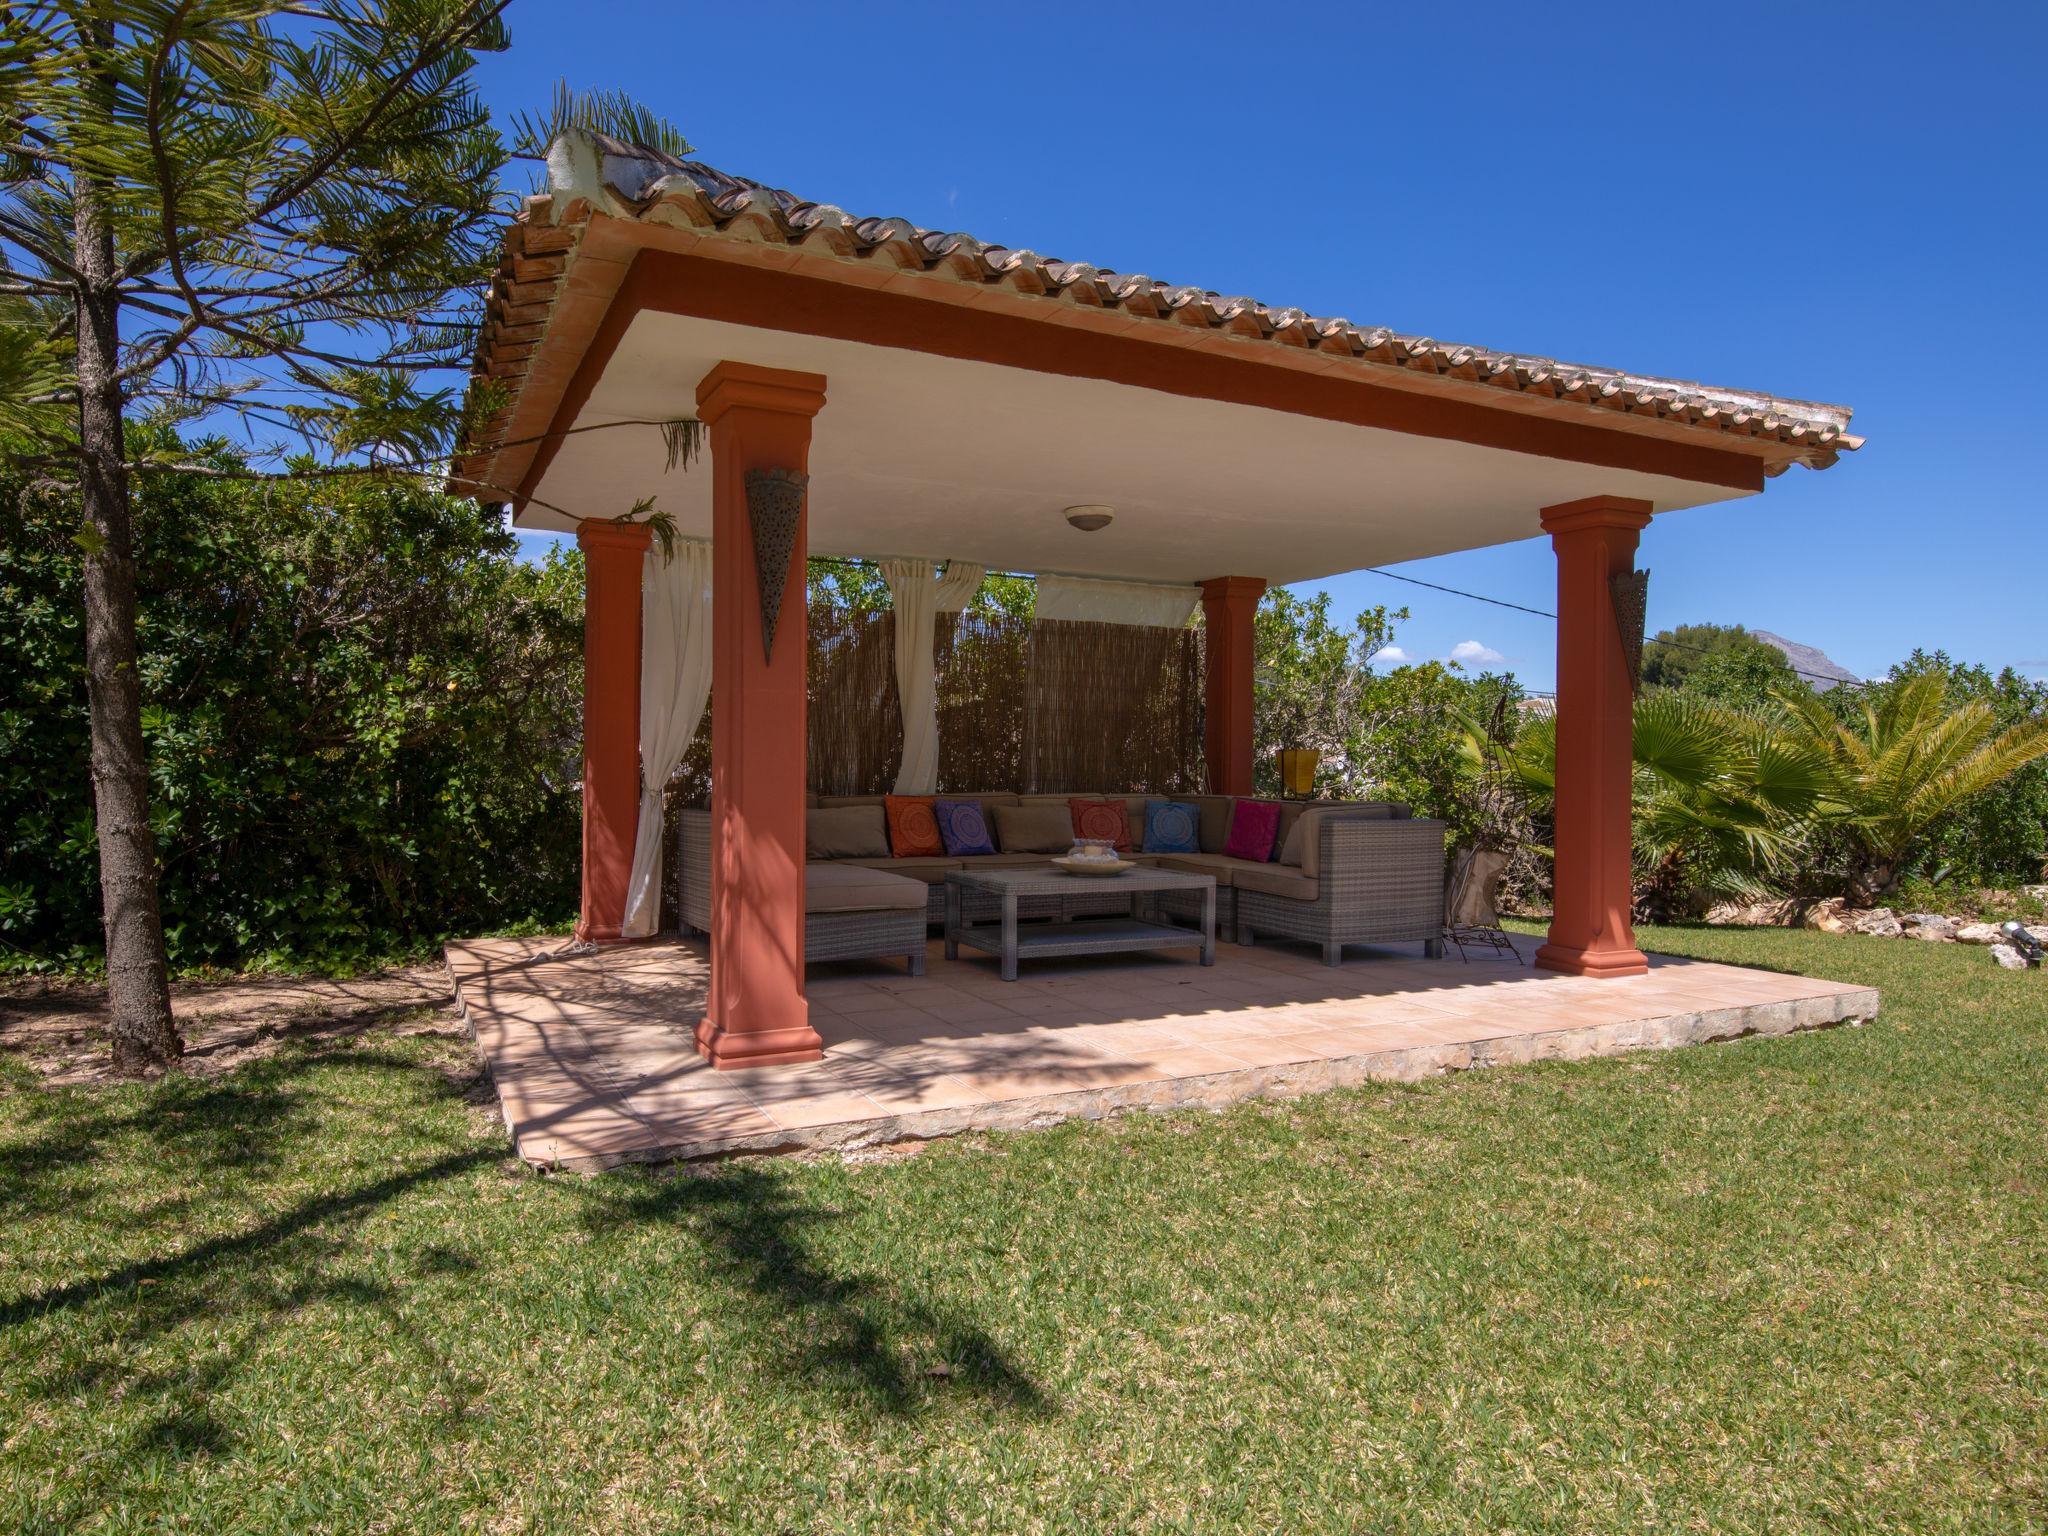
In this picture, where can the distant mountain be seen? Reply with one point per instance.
(1815, 667)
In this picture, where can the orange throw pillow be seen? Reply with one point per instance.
(1102, 821)
(913, 827)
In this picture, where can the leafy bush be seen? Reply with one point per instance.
(362, 711)
(1725, 653)
(1395, 735)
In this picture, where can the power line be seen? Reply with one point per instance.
(1543, 613)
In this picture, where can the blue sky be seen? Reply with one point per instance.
(1840, 203)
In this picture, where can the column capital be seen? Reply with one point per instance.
(1224, 588)
(747, 386)
(1597, 512)
(603, 533)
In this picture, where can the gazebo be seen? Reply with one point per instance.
(923, 396)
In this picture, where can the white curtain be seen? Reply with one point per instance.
(1115, 602)
(919, 595)
(675, 684)
(958, 586)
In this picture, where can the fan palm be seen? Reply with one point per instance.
(1718, 797)
(1902, 761)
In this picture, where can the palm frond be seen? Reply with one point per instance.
(613, 114)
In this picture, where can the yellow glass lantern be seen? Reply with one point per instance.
(1298, 772)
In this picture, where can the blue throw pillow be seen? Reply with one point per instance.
(962, 827)
(1172, 826)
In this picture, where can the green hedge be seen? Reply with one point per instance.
(362, 711)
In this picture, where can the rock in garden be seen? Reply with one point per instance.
(1750, 914)
(1879, 923)
(1929, 925)
(1978, 933)
(1827, 916)
(2008, 957)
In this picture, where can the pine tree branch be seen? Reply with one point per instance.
(454, 36)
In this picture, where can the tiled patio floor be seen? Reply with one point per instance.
(594, 1065)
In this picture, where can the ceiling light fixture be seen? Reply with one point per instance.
(1091, 517)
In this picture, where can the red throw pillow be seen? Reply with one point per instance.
(913, 827)
(1254, 827)
(1102, 821)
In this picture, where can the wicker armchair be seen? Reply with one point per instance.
(1376, 881)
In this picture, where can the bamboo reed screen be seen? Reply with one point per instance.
(856, 721)
(1023, 705)
(1112, 707)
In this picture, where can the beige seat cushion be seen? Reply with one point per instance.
(1276, 880)
(851, 888)
(846, 832)
(1039, 828)
(1213, 829)
(931, 870)
(1221, 865)
(1303, 847)
(976, 861)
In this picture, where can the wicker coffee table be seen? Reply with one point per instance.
(1141, 929)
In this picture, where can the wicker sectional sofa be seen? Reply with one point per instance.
(1366, 872)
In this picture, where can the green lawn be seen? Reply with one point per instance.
(1782, 1285)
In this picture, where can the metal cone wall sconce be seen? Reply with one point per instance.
(775, 510)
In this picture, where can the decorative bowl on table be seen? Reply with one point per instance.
(1088, 857)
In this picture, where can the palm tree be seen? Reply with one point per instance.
(1719, 798)
(1900, 763)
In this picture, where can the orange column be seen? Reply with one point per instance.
(1228, 604)
(1590, 931)
(612, 559)
(757, 418)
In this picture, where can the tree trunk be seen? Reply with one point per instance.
(145, 1036)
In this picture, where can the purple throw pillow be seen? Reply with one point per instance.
(1254, 828)
(962, 827)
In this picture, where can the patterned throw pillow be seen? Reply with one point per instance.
(1172, 826)
(963, 827)
(913, 828)
(1102, 821)
(1254, 827)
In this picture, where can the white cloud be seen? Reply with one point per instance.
(1392, 655)
(1471, 651)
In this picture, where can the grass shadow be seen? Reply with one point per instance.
(857, 1339)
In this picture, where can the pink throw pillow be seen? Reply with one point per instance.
(1254, 828)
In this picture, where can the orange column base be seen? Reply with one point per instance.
(1591, 962)
(725, 1048)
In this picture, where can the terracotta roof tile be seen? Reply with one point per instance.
(592, 175)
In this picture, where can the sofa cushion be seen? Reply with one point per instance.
(1303, 847)
(1173, 826)
(1008, 861)
(1254, 830)
(852, 888)
(962, 827)
(846, 832)
(931, 871)
(1042, 828)
(831, 801)
(1106, 820)
(1222, 866)
(1277, 880)
(913, 826)
(1215, 817)
(1291, 812)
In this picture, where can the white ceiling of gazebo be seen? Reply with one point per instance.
(917, 454)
